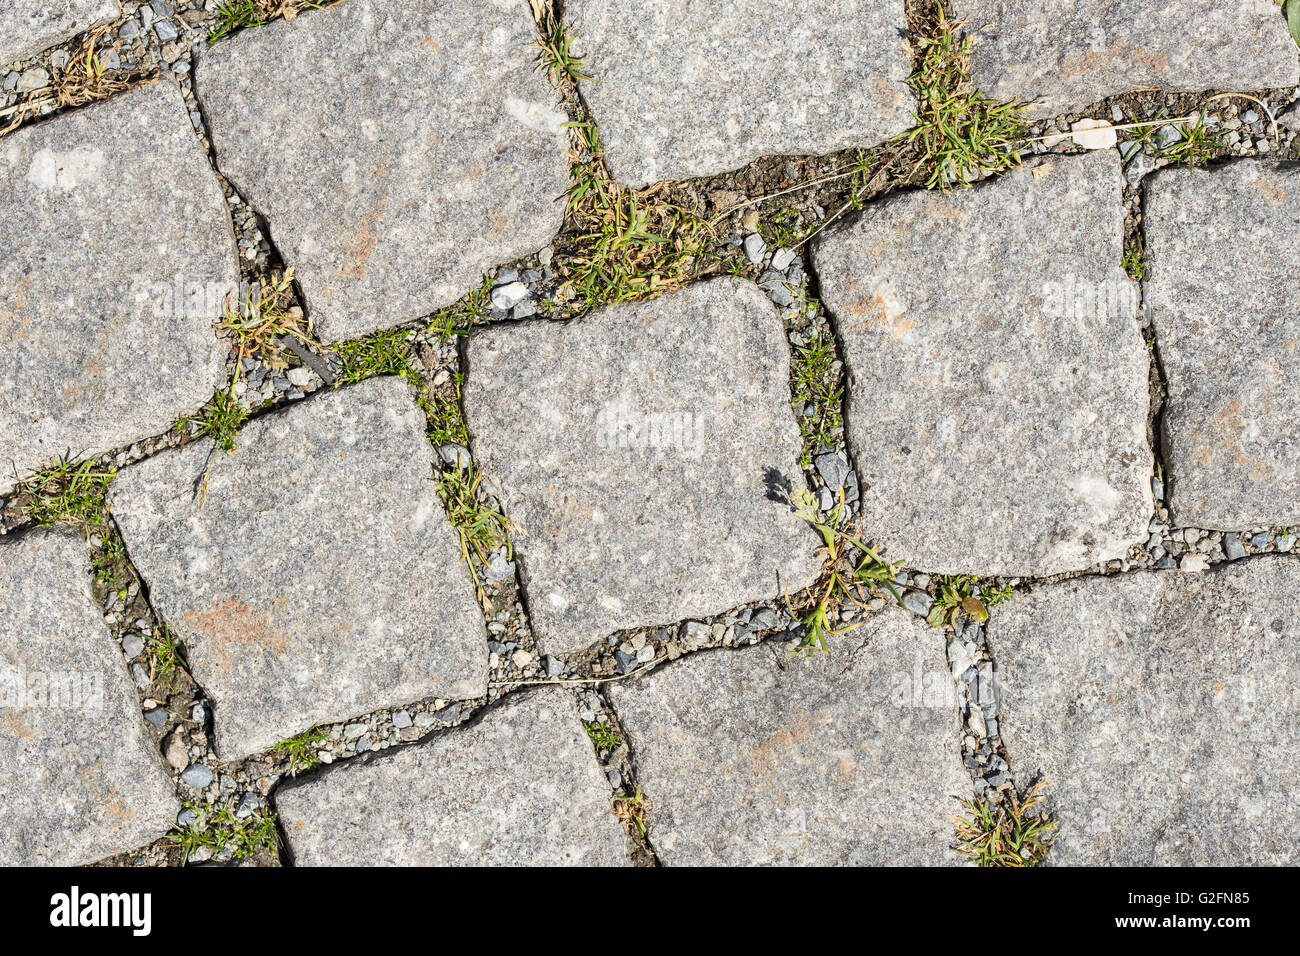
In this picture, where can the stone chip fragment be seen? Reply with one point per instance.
(397, 148)
(313, 575)
(638, 452)
(754, 760)
(518, 787)
(1162, 709)
(998, 381)
(79, 779)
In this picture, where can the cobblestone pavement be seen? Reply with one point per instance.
(613, 433)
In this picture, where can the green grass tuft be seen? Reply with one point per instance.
(220, 419)
(814, 382)
(67, 492)
(1005, 835)
(218, 830)
(960, 132)
(300, 751)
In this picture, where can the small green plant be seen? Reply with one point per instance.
(67, 492)
(631, 812)
(820, 401)
(959, 131)
(1005, 835)
(384, 353)
(848, 560)
(603, 736)
(300, 751)
(557, 56)
(233, 15)
(482, 529)
(106, 559)
(1135, 262)
(460, 319)
(220, 419)
(262, 319)
(447, 424)
(1292, 10)
(219, 830)
(961, 594)
(165, 652)
(783, 229)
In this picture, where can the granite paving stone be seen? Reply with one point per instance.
(998, 396)
(29, 26)
(429, 150)
(1222, 295)
(1162, 708)
(98, 262)
(519, 786)
(316, 576)
(685, 88)
(1059, 55)
(636, 450)
(752, 758)
(79, 778)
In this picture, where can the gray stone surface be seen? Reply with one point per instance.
(1063, 54)
(29, 26)
(1221, 291)
(429, 150)
(752, 758)
(94, 250)
(518, 787)
(633, 449)
(78, 780)
(998, 390)
(686, 88)
(319, 578)
(1163, 708)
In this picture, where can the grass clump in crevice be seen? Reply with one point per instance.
(556, 56)
(219, 830)
(1005, 834)
(815, 382)
(67, 492)
(235, 15)
(603, 736)
(1135, 260)
(1196, 144)
(962, 594)
(632, 811)
(220, 419)
(264, 317)
(960, 133)
(165, 652)
(848, 563)
(460, 318)
(301, 751)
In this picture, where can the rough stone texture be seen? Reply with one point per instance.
(78, 780)
(634, 449)
(1222, 294)
(687, 88)
(519, 787)
(29, 26)
(429, 150)
(754, 759)
(319, 578)
(1064, 54)
(998, 382)
(1163, 709)
(88, 274)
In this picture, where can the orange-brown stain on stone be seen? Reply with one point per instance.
(367, 238)
(233, 625)
(1272, 190)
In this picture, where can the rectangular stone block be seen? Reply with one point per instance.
(315, 576)
(1223, 296)
(998, 381)
(79, 780)
(1063, 55)
(397, 148)
(756, 759)
(518, 787)
(636, 451)
(118, 258)
(1162, 708)
(686, 88)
